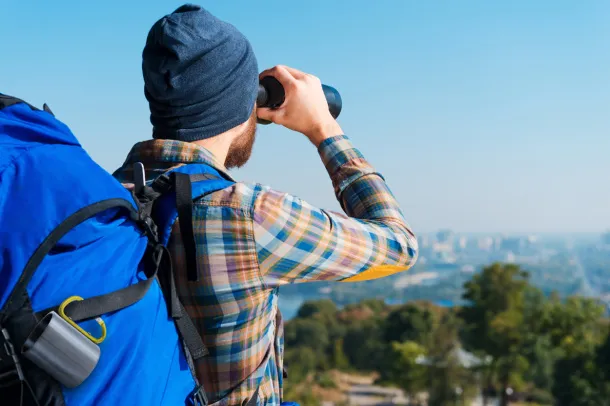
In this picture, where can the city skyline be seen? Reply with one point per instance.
(482, 116)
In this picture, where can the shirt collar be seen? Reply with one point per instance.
(159, 156)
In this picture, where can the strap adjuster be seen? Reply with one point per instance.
(10, 353)
(150, 227)
(197, 397)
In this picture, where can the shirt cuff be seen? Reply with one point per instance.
(336, 152)
(344, 163)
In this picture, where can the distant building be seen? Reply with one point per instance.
(442, 247)
(462, 242)
(444, 236)
(606, 238)
(467, 269)
(497, 243)
(446, 257)
(512, 244)
(423, 241)
(486, 243)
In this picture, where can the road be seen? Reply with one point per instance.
(371, 395)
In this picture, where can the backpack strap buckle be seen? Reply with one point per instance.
(150, 228)
(197, 397)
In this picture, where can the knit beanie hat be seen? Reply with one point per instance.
(200, 75)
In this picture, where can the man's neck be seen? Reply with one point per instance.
(218, 146)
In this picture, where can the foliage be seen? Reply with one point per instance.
(302, 396)
(324, 380)
(301, 361)
(540, 397)
(547, 349)
(578, 382)
(364, 345)
(307, 333)
(322, 308)
(405, 371)
(492, 320)
(409, 323)
(339, 358)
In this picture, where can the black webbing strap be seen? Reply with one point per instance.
(7, 101)
(190, 335)
(110, 302)
(202, 176)
(17, 298)
(187, 330)
(97, 305)
(184, 205)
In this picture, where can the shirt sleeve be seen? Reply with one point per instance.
(297, 242)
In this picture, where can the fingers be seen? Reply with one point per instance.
(128, 186)
(269, 114)
(282, 75)
(297, 74)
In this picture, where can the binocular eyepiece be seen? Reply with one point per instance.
(271, 94)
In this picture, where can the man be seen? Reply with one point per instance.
(201, 81)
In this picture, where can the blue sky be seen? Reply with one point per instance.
(481, 115)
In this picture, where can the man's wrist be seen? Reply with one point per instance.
(324, 132)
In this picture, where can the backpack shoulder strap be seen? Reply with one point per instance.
(88, 308)
(179, 188)
(7, 101)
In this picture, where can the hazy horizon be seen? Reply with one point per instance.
(480, 115)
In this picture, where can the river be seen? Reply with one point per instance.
(289, 305)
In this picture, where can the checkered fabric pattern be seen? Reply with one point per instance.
(252, 239)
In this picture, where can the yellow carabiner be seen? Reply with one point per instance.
(99, 320)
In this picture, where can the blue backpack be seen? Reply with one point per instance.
(88, 308)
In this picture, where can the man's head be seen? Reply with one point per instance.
(201, 81)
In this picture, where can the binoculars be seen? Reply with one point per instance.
(271, 94)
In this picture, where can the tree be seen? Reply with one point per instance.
(378, 306)
(603, 358)
(446, 374)
(340, 360)
(365, 347)
(410, 322)
(404, 370)
(324, 307)
(574, 324)
(576, 328)
(309, 333)
(578, 382)
(494, 317)
(538, 347)
(300, 361)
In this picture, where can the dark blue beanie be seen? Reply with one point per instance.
(200, 75)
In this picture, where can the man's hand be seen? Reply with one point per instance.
(304, 109)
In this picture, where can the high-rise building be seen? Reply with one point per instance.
(486, 243)
(444, 236)
(423, 241)
(497, 243)
(514, 244)
(462, 242)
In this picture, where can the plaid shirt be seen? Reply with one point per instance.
(252, 239)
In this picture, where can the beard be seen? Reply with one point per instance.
(241, 148)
